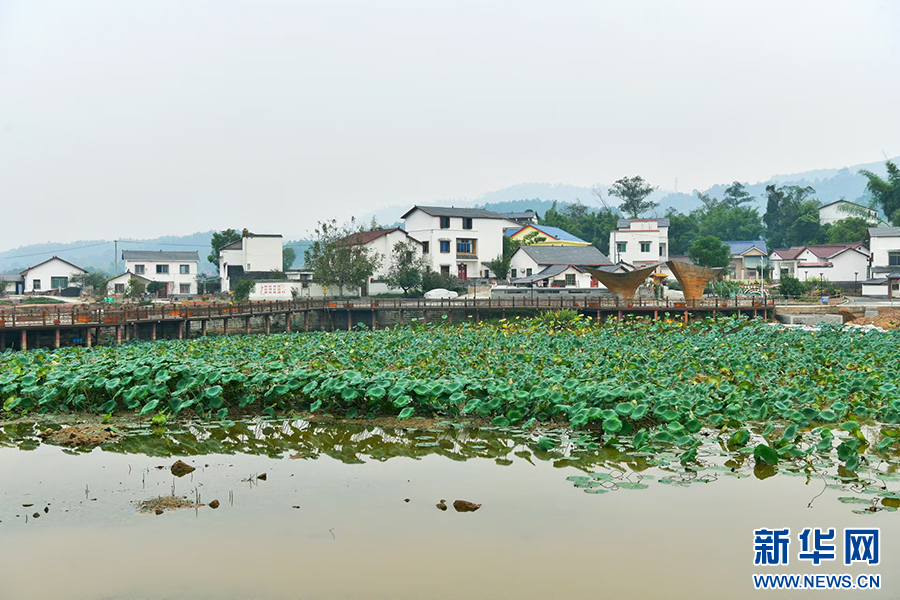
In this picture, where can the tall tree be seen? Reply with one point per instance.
(219, 240)
(683, 230)
(886, 193)
(338, 258)
(408, 264)
(710, 251)
(792, 217)
(736, 195)
(90, 282)
(588, 224)
(633, 191)
(288, 256)
(851, 229)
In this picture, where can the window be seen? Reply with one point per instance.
(445, 246)
(36, 285)
(184, 269)
(570, 279)
(119, 288)
(57, 283)
(645, 246)
(465, 246)
(445, 269)
(894, 259)
(662, 249)
(424, 247)
(162, 269)
(620, 247)
(184, 288)
(138, 269)
(487, 273)
(445, 222)
(527, 272)
(467, 223)
(512, 273)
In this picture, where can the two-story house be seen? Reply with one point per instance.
(839, 210)
(458, 241)
(381, 242)
(259, 253)
(748, 259)
(639, 242)
(884, 262)
(177, 270)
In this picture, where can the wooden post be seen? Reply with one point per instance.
(268, 324)
(655, 314)
(180, 330)
(3, 341)
(450, 315)
(98, 334)
(87, 337)
(287, 321)
(349, 318)
(203, 327)
(153, 331)
(225, 326)
(620, 315)
(685, 315)
(401, 316)
(118, 334)
(247, 325)
(374, 324)
(24, 344)
(306, 318)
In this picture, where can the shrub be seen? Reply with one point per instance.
(242, 289)
(791, 287)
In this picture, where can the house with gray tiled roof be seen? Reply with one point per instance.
(176, 270)
(556, 266)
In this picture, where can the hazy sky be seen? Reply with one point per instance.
(153, 117)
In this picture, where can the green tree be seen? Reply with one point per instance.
(683, 230)
(155, 287)
(243, 288)
(408, 264)
(588, 224)
(851, 229)
(710, 251)
(736, 195)
(886, 193)
(3, 284)
(204, 280)
(338, 258)
(288, 256)
(219, 240)
(633, 191)
(791, 287)
(93, 281)
(135, 288)
(792, 217)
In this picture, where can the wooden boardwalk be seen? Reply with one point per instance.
(145, 321)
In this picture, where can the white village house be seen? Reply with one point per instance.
(177, 270)
(639, 242)
(833, 212)
(748, 259)
(845, 263)
(253, 253)
(118, 285)
(556, 266)
(381, 242)
(52, 274)
(884, 262)
(459, 241)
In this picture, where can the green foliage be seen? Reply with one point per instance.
(792, 217)
(135, 288)
(886, 193)
(338, 259)
(590, 225)
(408, 265)
(242, 289)
(851, 229)
(91, 282)
(432, 280)
(288, 256)
(155, 287)
(710, 251)
(791, 287)
(219, 240)
(633, 191)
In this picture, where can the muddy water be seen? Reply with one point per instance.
(354, 536)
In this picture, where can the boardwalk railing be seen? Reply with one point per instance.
(94, 315)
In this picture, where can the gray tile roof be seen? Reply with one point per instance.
(565, 255)
(443, 211)
(159, 255)
(884, 231)
(626, 223)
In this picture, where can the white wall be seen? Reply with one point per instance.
(521, 262)
(880, 247)
(283, 290)
(487, 232)
(173, 279)
(880, 290)
(828, 215)
(257, 253)
(45, 272)
(849, 265)
(640, 231)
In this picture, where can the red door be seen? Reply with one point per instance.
(462, 272)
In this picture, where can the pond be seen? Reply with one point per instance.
(348, 510)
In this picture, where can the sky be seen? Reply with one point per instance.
(166, 117)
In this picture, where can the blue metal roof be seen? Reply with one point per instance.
(741, 247)
(554, 232)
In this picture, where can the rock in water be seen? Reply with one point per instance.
(158, 511)
(180, 469)
(214, 504)
(442, 504)
(465, 506)
(262, 476)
